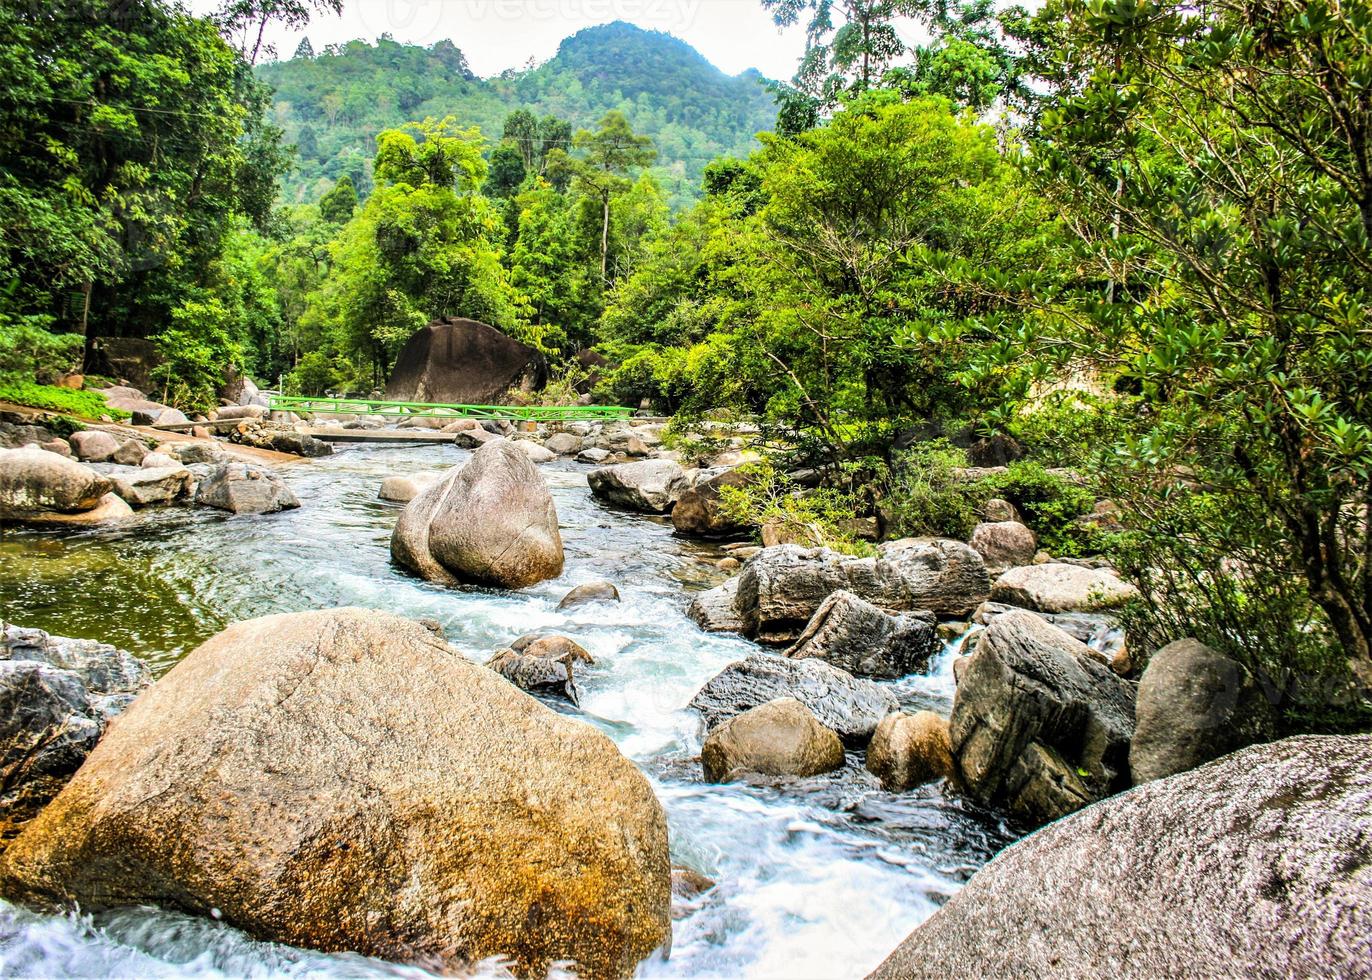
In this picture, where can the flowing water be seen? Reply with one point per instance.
(816, 878)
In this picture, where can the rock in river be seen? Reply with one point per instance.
(588, 593)
(650, 486)
(908, 750)
(56, 695)
(345, 780)
(490, 521)
(243, 489)
(850, 706)
(778, 738)
(541, 664)
(851, 633)
(1040, 726)
(1253, 866)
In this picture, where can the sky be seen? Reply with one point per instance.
(498, 34)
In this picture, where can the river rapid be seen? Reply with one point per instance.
(817, 878)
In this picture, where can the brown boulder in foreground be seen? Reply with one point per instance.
(345, 780)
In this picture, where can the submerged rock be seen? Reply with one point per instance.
(851, 633)
(490, 521)
(1040, 726)
(850, 706)
(243, 489)
(1195, 704)
(56, 696)
(143, 487)
(779, 738)
(403, 489)
(909, 750)
(1254, 866)
(650, 486)
(588, 593)
(345, 780)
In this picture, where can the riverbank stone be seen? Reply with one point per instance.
(243, 489)
(649, 486)
(853, 634)
(34, 482)
(1057, 587)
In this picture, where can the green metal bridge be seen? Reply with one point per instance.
(403, 410)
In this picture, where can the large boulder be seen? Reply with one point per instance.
(490, 521)
(778, 738)
(34, 482)
(243, 489)
(143, 410)
(1252, 866)
(563, 444)
(848, 705)
(650, 486)
(699, 512)
(143, 486)
(908, 750)
(781, 588)
(458, 361)
(1057, 587)
(1040, 726)
(851, 633)
(56, 696)
(127, 359)
(1195, 704)
(716, 610)
(345, 780)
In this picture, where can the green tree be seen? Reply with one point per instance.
(245, 21)
(506, 171)
(611, 152)
(338, 205)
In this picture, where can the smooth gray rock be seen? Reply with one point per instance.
(850, 706)
(715, 609)
(588, 593)
(1057, 587)
(1004, 544)
(1039, 725)
(143, 487)
(1252, 866)
(243, 489)
(34, 482)
(1195, 704)
(650, 486)
(853, 634)
(563, 444)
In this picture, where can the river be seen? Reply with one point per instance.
(817, 878)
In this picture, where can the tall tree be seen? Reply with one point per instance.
(245, 22)
(848, 43)
(611, 152)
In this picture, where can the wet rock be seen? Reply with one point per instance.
(1040, 726)
(728, 564)
(699, 511)
(563, 444)
(403, 489)
(1252, 866)
(588, 593)
(1056, 587)
(779, 738)
(541, 665)
(651, 486)
(1195, 704)
(111, 509)
(715, 610)
(910, 750)
(850, 706)
(144, 487)
(853, 634)
(284, 441)
(782, 587)
(593, 456)
(34, 482)
(93, 445)
(56, 696)
(1004, 544)
(374, 792)
(243, 489)
(688, 884)
(490, 521)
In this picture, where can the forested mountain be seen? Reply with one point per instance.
(333, 104)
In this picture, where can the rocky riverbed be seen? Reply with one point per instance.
(818, 877)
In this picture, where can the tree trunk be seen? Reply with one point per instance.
(605, 240)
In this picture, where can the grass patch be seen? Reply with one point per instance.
(86, 404)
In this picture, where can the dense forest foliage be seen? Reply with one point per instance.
(1133, 240)
(331, 104)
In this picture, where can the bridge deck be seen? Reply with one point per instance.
(400, 410)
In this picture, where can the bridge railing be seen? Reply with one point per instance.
(402, 410)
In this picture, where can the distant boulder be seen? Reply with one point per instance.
(128, 359)
(460, 361)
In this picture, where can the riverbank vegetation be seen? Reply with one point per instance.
(1123, 248)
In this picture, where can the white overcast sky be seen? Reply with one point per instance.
(500, 34)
